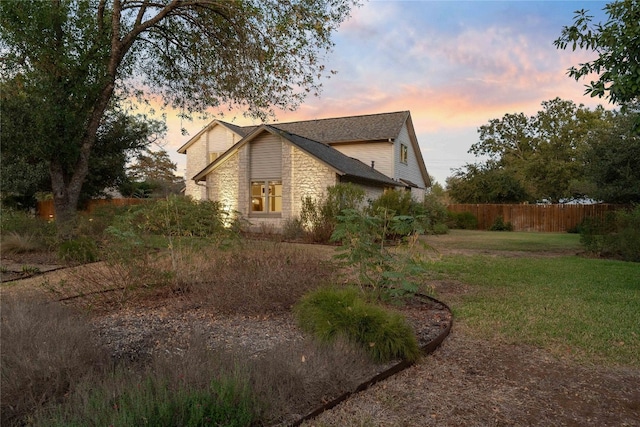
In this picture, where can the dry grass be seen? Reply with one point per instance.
(45, 348)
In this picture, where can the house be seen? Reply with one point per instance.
(264, 172)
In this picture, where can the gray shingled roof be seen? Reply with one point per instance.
(345, 164)
(373, 127)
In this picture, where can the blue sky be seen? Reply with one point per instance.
(454, 64)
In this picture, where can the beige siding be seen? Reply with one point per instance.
(411, 170)
(266, 156)
(218, 139)
(197, 159)
(379, 152)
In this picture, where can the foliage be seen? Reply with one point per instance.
(80, 250)
(331, 313)
(486, 184)
(222, 402)
(24, 146)
(60, 352)
(152, 173)
(319, 217)
(363, 247)
(462, 221)
(617, 44)
(616, 235)
(533, 159)
(74, 61)
(612, 160)
(18, 222)
(500, 225)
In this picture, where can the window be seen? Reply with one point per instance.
(404, 153)
(266, 196)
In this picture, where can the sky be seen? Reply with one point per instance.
(455, 65)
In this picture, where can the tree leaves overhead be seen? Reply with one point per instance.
(76, 59)
(617, 42)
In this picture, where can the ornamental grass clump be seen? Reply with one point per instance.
(332, 313)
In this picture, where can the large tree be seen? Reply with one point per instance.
(77, 57)
(24, 174)
(617, 43)
(541, 152)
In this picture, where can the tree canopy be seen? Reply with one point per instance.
(563, 153)
(617, 43)
(77, 59)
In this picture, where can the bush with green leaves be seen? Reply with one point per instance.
(617, 235)
(389, 273)
(156, 402)
(81, 250)
(393, 205)
(320, 216)
(462, 221)
(329, 314)
(500, 225)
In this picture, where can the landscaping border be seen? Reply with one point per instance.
(427, 348)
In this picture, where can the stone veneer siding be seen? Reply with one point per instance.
(222, 184)
(308, 178)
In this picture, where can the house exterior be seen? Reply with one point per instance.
(264, 172)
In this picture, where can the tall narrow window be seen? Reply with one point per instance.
(266, 196)
(404, 153)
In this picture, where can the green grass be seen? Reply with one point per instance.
(506, 241)
(587, 308)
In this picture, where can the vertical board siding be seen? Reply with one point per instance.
(266, 157)
(546, 218)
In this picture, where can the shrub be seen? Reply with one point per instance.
(156, 402)
(39, 231)
(292, 229)
(617, 235)
(500, 225)
(331, 313)
(390, 273)
(81, 250)
(319, 217)
(16, 243)
(462, 221)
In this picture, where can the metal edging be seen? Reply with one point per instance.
(427, 349)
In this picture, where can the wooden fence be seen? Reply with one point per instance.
(547, 218)
(46, 210)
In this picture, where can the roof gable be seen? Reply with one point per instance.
(242, 131)
(342, 164)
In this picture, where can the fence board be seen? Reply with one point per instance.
(546, 218)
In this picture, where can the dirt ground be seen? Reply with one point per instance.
(472, 382)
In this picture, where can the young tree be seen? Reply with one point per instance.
(618, 46)
(75, 58)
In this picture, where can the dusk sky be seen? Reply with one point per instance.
(454, 64)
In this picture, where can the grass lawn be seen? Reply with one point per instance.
(586, 308)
